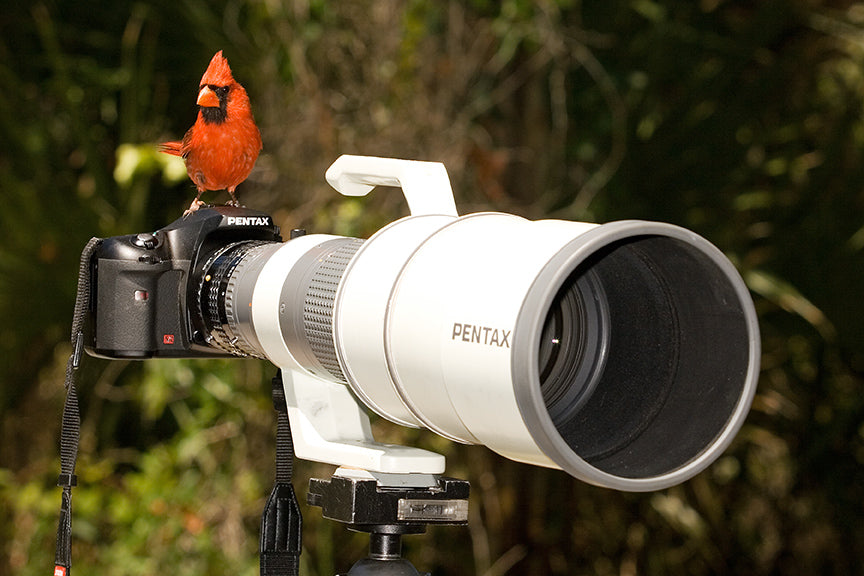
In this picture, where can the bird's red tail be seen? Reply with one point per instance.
(172, 148)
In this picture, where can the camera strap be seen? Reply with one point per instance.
(70, 430)
(281, 522)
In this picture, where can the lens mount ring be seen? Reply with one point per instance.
(216, 292)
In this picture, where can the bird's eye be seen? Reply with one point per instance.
(221, 91)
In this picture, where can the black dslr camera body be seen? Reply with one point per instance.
(162, 294)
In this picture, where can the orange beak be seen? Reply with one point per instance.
(208, 98)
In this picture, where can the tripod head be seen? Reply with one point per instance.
(387, 506)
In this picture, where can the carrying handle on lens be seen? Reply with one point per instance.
(425, 185)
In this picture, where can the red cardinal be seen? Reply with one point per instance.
(220, 149)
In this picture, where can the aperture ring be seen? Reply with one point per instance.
(216, 292)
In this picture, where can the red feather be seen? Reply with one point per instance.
(221, 148)
(172, 148)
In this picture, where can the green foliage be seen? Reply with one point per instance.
(193, 491)
(739, 120)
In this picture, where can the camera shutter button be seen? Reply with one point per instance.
(146, 240)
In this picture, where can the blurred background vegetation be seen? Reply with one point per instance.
(742, 120)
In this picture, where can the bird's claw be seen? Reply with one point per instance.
(193, 207)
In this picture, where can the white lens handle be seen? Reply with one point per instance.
(425, 185)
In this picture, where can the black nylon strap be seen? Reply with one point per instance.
(281, 522)
(70, 430)
(284, 442)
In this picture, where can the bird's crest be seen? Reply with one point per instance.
(218, 73)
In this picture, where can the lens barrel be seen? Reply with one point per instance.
(625, 354)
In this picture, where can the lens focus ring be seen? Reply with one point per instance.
(318, 305)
